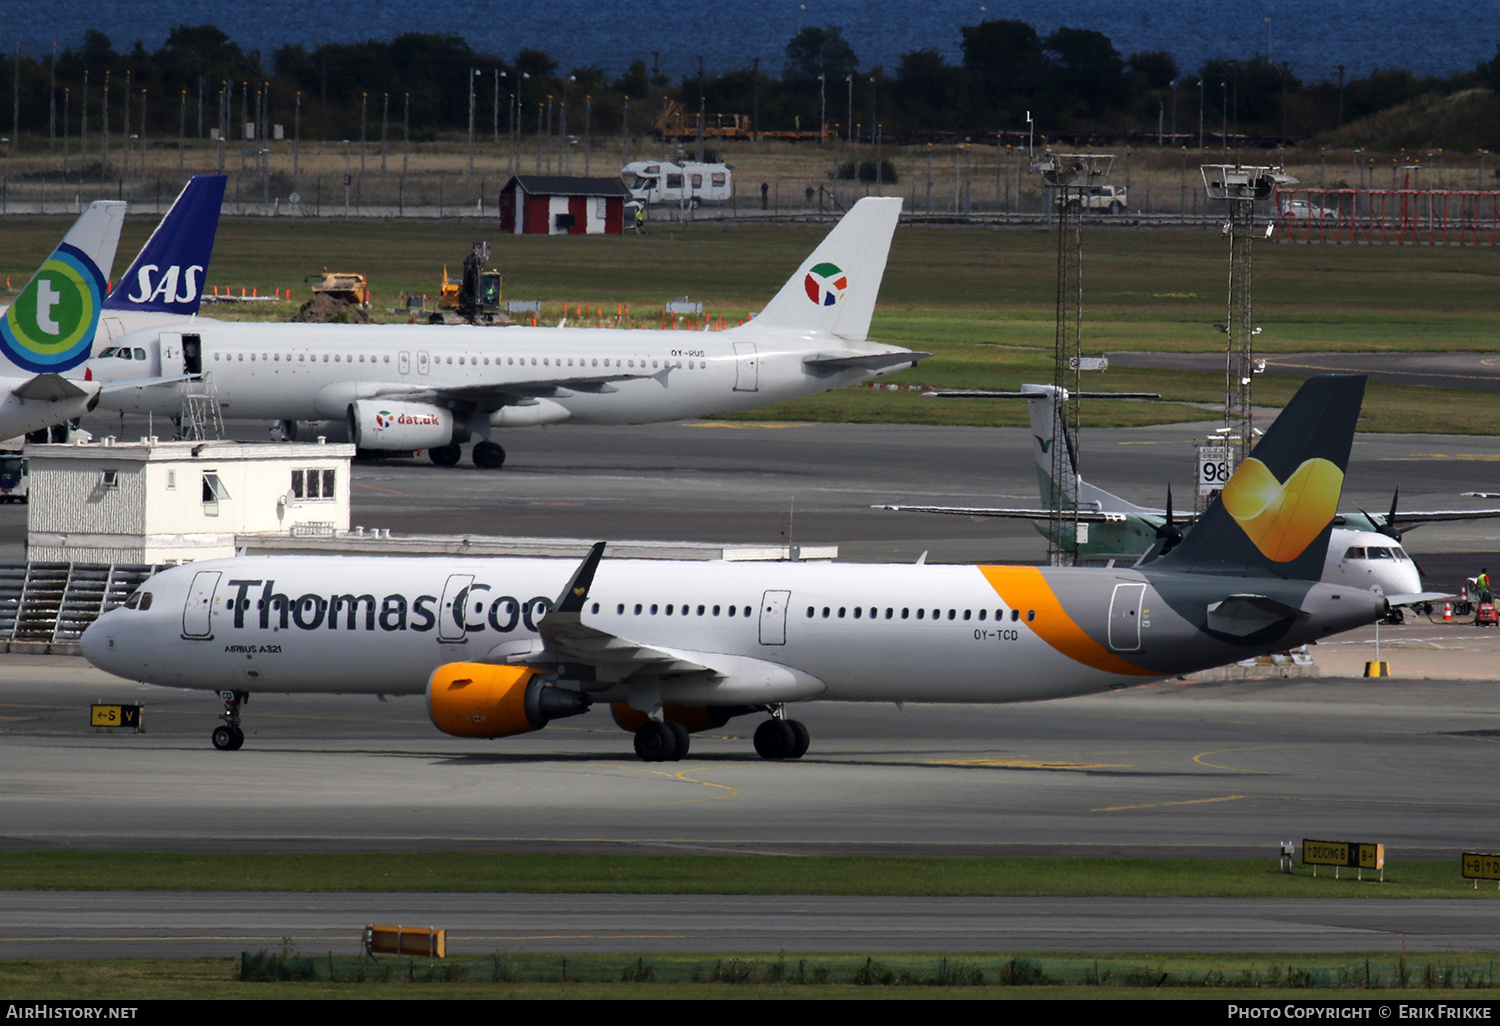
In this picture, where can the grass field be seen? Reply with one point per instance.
(717, 874)
(981, 300)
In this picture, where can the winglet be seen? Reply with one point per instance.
(167, 276)
(570, 602)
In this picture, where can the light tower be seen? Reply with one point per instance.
(1068, 177)
(1240, 188)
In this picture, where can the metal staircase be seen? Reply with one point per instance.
(51, 603)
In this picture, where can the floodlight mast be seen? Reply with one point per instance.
(1240, 188)
(1068, 178)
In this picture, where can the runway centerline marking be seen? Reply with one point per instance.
(376, 488)
(1163, 805)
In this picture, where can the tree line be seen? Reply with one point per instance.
(1072, 82)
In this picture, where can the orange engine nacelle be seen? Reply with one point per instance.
(693, 717)
(481, 700)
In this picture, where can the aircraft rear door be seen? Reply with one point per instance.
(197, 611)
(1125, 617)
(746, 367)
(773, 617)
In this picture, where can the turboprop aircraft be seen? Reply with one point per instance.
(502, 646)
(1364, 554)
(50, 327)
(403, 388)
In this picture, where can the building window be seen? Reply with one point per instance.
(313, 484)
(213, 493)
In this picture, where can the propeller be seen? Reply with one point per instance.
(1389, 527)
(1168, 533)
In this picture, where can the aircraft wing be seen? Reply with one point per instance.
(493, 395)
(1412, 519)
(1085, 516)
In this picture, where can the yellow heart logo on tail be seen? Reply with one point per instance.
(1283, 519)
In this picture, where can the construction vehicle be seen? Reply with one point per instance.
(675, 122)
(345, 287)
(473, 299)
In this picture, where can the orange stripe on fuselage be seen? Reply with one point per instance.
(1024, 587)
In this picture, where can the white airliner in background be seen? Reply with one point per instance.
(401, 388)
(1371, 559)
(50, 330)
(502, 646)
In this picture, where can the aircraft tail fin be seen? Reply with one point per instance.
(1275, 513)
(834, 290)
(51, 325)
(167, 276)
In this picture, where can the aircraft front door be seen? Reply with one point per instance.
(1125, 617)
(452, 626)
(197, 611)
(773, 617)
(746, 367)
(423, 363)
(404, 362)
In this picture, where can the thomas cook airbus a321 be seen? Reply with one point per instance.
(402, 388)
(503, 646)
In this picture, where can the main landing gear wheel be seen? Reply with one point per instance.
(445, 455)
(488, 455)
(661, 742)
(781, 739)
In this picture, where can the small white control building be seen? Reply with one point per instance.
(158, 502)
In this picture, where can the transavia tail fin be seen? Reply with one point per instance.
(50, 327)
(834, 290)
(167, 276)
(1275, 514)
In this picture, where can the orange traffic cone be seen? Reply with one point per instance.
(1447, 612)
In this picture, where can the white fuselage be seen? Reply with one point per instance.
(313, 372)
(780, 631)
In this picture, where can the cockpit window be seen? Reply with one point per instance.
(139, 600)
(1355, 553)
(1380, 553)
(107, 353)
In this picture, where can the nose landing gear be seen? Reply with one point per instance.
(229, 737)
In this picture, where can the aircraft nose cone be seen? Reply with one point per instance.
(100, 642)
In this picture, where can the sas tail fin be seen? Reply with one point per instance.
(50, 327)
(834, 290)
(1275, 513)
(167, 276)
